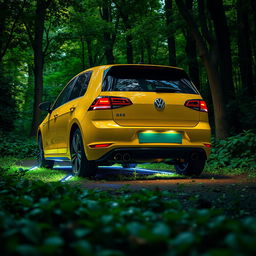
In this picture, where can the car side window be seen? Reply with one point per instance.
(64, 95)
(81, 85)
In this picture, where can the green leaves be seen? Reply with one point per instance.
(39, 218)
(18, 146)
(235, 152)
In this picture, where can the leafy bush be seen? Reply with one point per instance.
(18, 146)
(236, 151)
(55, 219)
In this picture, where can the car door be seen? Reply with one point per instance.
(68, 110)
(53, 126)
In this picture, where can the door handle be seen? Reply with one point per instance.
(72, 109)
(56, 115)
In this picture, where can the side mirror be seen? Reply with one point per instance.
(45, 106)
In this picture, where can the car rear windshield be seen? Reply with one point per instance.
(147, 79)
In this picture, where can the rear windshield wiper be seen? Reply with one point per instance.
(166, 89)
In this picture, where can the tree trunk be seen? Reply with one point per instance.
(244, 48)
(129, 48)
(141, 53)
(38, 63)
(218, 16)
(149, 52)
(170, 34)
(2, 28)
(90, 56)
(83, 53)
(109, 37)
(220, 115)
(193, 67)
(253, 41)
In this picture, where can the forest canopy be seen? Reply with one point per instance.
(44, 43)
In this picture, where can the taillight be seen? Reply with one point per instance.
(199, 105)
(109, 103)
(105, 145)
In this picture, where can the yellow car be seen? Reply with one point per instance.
(126, 114)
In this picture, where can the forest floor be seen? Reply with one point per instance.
(234, 193)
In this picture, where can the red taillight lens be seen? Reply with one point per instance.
(203, 106)
(105, 145)
(199, 105)
(120, 102)
(101, 103)
(109, 103)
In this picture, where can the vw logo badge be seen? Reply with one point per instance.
(159, 104)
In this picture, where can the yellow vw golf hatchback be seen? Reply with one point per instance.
(126, 114)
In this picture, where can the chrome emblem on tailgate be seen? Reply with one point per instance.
(159, 104)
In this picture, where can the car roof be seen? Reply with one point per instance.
(142, 65)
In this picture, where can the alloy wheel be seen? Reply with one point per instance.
(76, 154)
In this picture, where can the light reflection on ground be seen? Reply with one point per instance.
(103, 171)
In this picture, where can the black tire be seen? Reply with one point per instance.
(81, 166)
(192, 167)
(129, 165)
(42, 162)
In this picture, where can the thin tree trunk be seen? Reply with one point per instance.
(109, 37)
(149, 52)
(90, 56)
(253, 41)
(170, 33)
(129, 48)
(38, 63)
(142, 53)
(83, 53)
(193, 67)
(244, 48)
(218, 16)
(2, 28)
(220, 115)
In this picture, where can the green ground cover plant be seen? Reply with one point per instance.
(38, 218)
(17, 146)
(234, 153)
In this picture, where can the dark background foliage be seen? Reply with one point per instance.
(43, 43)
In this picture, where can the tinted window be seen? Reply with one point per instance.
(64, 95)
(147, 79)
(80, 86)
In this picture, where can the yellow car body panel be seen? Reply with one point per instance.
(120, 127)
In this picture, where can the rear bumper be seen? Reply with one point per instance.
(121, 138)
(156, 154)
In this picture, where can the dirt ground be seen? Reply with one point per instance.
(234, 193)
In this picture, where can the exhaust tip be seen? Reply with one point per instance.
(126, 157)
(194, 156)
(118, 157)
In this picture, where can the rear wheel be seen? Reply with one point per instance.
(192, 167)
(42, 162)
(81, 166)
(129, 165)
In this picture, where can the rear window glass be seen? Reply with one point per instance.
(147, 79)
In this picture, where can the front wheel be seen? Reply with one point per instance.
(42, 162)
(81, 166)
(192, 167)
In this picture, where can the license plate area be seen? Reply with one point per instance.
(156, 137)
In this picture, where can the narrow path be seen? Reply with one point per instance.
(235, 194)
(115, 177)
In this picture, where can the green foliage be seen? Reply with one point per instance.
(18, 146)
(52, 219)
(8, 111)
(236, 152)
